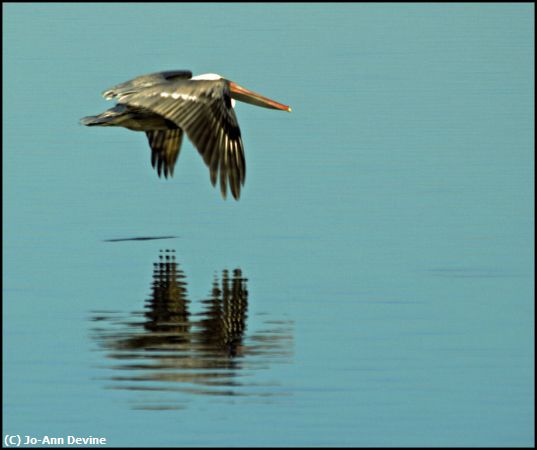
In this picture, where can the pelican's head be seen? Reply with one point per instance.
(244, 95)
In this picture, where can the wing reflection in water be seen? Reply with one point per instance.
(167, 348)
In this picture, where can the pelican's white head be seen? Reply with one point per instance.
(207, 76)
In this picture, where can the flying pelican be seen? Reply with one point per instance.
(167, 104)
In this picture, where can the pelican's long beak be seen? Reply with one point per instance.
(244, 95)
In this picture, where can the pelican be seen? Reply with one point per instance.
(167, 104)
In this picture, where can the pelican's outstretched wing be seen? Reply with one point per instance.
(145, 81)
(202, 109)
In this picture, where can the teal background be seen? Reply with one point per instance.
(387, 223)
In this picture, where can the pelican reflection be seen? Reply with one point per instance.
(171, 347)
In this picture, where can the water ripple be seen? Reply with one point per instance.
(165, 348)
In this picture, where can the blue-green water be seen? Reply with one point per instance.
(372, 287)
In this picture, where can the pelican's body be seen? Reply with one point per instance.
(166, 104)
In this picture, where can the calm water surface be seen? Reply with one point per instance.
(372, 287)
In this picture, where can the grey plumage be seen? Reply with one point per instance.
(167, 104)
(202, 109)
(145, 81)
